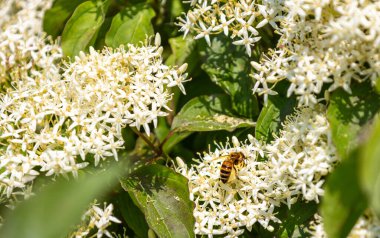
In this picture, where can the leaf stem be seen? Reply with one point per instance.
(157, 150)
(170, 134)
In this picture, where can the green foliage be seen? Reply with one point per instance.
(130, 25)
(271, 116)
(344, 200)
(347, 113)
(82, 27)
(132, 215)
(208, 113)
(55, 17)
(64, 200)
(229, 68)
(349, 189)
(163, 197)
(293, 224)
(370, 166)
(183, 51)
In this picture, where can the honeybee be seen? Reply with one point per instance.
(233, 161)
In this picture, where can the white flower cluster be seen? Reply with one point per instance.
(95, 222)
(367, 226)
(23, 50)
(290, 168)
(29, 13)
(322, 41)
(238, 18)
(50, 122)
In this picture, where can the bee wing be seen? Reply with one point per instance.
(232, 175)
(218, 158)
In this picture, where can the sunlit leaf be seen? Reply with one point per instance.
(183, 51)
(271, 116)
(55, 17)
(163, 197)
(82, 27)
(208, 113)
(131, 25)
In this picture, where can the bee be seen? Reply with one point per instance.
(233, 161)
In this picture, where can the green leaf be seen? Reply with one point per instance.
(272, 115)
(183, 51)
(131, 25)
(344, 201)
(55, 17)
(377, 86)
(59, 206)
(132, 215)
(296, 219)
(370, 167)
(208, 113)
(229, 68)
(163, 196)
(82, 27)
(176, 8)
(347, 113)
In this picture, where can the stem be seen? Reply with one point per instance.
(170, 134)
(158, 151)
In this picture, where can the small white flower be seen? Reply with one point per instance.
(96, 220)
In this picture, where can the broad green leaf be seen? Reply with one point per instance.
(183, 51)
(101, 35)
(229, 68)
(132, 215)
(272, 115)
(82, 27)
(176, 8)
(347, 113)
(163, 196)
(208, 113)
(344, 201)
(370, 167)
(131, 25)
(56, 210)
(55, 17)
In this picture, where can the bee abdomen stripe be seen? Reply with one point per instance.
(226, 166)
